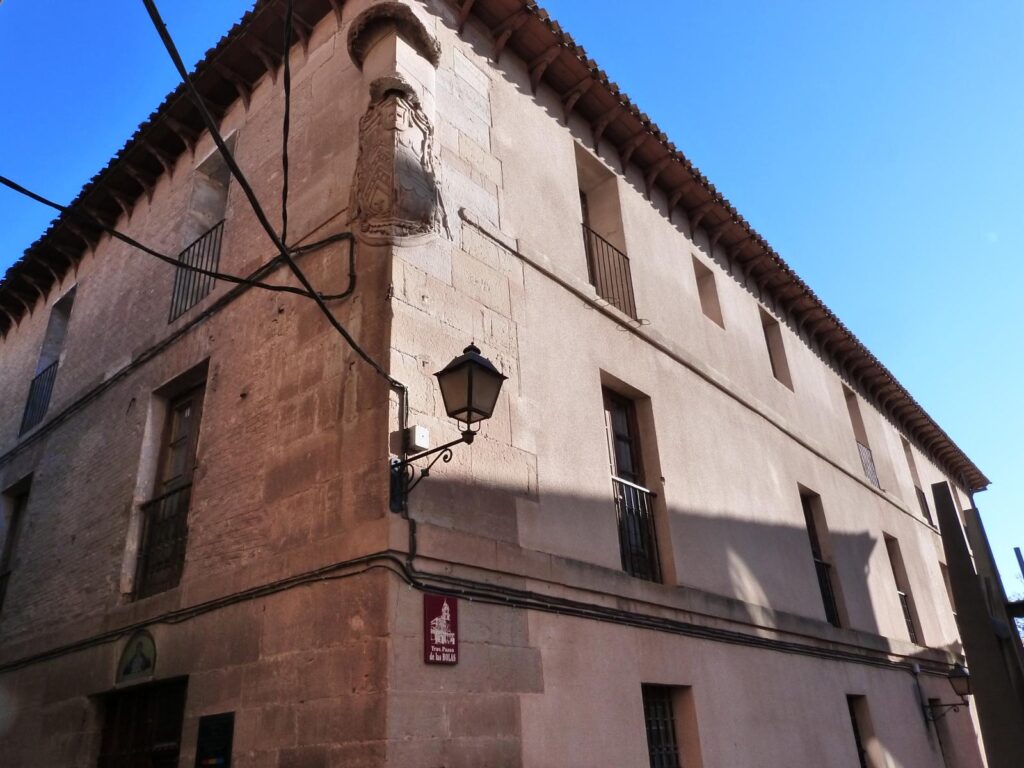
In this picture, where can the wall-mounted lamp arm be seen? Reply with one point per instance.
(403, 473)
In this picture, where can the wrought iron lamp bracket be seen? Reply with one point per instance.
(405, 475)
(935, 712)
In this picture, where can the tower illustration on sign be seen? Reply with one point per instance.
(441, 627)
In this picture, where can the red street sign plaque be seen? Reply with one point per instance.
(440, 629)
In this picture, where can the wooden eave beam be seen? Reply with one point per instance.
(122, 202)
(80, 232)
(504, 31)
(270, 58)
(236, 80)
(538, 66)
(656, 169)
(302, 28)
(633, 143)
(605, 120)
(464, 11)
(187, 135)
(161, 157)
(696, 214)
(137, 175)
(574, 94)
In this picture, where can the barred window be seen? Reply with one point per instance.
(662, 746)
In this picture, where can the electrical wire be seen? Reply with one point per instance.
(85, 218)
(287, 121)
(243, 183)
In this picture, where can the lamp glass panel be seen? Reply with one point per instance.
(486, 386)
(961, 682)
(454, 386)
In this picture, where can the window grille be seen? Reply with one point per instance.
(662, 746)
(190, 287)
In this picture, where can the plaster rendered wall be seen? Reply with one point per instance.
(529, 504)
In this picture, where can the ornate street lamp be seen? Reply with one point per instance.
(960, 681)
(469, 385)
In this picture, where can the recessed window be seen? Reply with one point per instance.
(670, 719)
(949, 588)
(634, 502)
(203, 230)
(776, 349)
(863, 732)
(41, 389)
(860, 434)
(708, 292)
(903, 593)
(165, 517)
(821, 552)
(608, 266)
(922, 498)
(12, 517)
(142, 725)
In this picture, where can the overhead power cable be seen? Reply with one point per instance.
(287, 122)
(243, 183)
(177, 263)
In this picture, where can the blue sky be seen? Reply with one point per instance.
(877, 145)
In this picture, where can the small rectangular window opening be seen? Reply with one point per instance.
(708, 292)
(776, 348)
(670, 718)
(949, 588)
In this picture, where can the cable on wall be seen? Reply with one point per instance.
(257, 208)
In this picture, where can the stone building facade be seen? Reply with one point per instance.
(698, 530)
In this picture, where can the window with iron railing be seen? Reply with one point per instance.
(39, 393)
(660, 722)
(190, 287)
(634, 503)
(817, 534)
(906, 600)
(609, 272)
(41, 389)
(867, 461)
(165, 517)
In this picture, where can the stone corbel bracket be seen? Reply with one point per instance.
(377, 20)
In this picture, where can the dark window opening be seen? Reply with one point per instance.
(142, 726)
(213, 742)
(662, 746)
(922, 499)
(15, 502)
(856, 705)
(906, 599)
(41, 388)
(634, 503)
(817, 533)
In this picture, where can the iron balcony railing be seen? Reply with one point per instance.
(867, 460)
(922, 500)
(609, 272)
(38, 397)
(164, 536)
(191, 286)
(828, 595)
(638, 541)
(908, 616)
